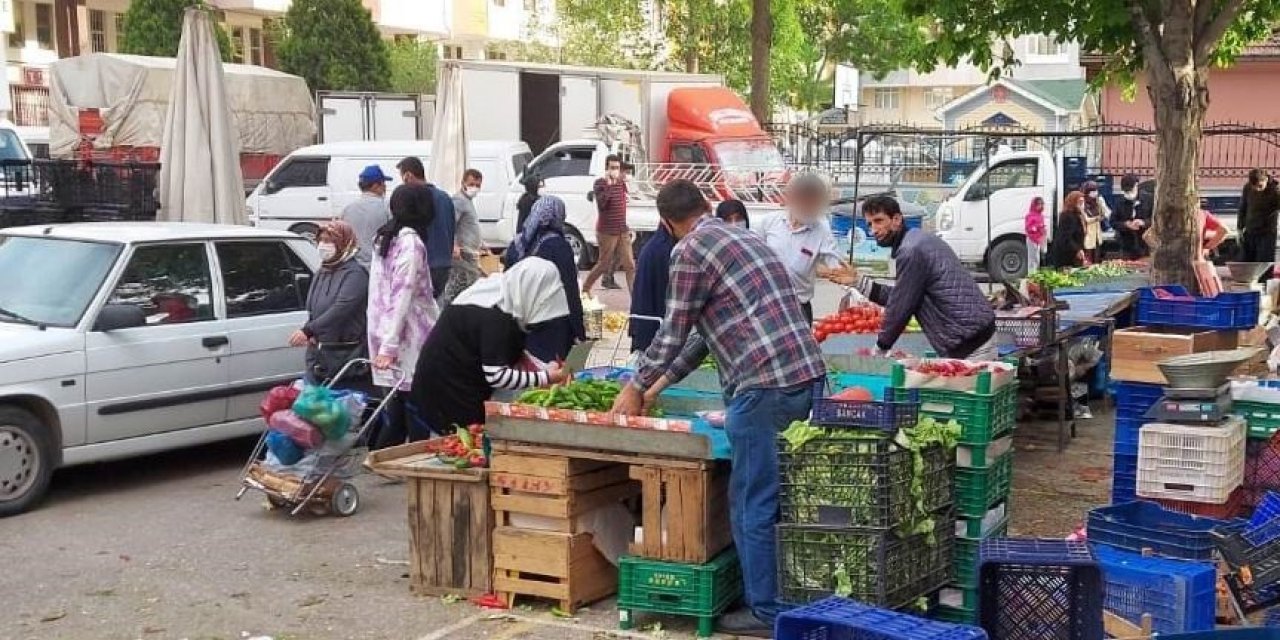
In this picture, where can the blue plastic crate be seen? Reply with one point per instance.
(1127, 431)
(1268, 508)
(1273, 618)
(1134, 526)
(1180, 596)
(903, 411)
(1227, 310)
(843, 619)
(1032, 589)
(1126, 465)
(1262, 534)
(1245, 633)
(1132, 399)
(1124, 488)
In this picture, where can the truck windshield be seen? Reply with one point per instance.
(11, 146)
(754, 155)
(58, 278)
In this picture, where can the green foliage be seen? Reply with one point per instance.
(413, 67)
(334, 45)
(594, 33)
(154, 27)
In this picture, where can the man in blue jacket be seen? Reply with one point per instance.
(440, 231)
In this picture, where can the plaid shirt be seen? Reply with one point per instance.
(729, 285)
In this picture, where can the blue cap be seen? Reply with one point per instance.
(373, 173)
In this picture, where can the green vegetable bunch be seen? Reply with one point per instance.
(582, 395)
(1053, 279)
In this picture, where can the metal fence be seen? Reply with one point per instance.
(53, 191)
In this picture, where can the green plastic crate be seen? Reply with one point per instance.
(955, 615)
(1263, 418)
(703, 591)
(966, 556)
(982, 456)
(972, 527)
(980, 489)
(983, 417)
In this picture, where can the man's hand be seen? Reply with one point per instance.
(298, 339)
(557, 374)
(630, 402)
(457, 252)
(844, 274)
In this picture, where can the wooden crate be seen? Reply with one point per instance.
(565, 567)
(1135, 351)
(450, 522)
(555, 489)
(695, 503)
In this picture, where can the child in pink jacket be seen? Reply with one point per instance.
(1036, 233)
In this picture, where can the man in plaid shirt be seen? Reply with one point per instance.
(734, 290)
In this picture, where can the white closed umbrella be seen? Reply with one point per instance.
(200, 178)
(449, 131)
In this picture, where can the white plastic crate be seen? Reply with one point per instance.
(1191, 462)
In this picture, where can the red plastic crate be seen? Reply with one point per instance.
(1233, 508)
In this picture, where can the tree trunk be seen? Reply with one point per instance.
(761, 39)
(1181, 97)
(691, 39)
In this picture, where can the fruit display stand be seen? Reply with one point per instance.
(450, 521)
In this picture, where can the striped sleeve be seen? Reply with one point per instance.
(508, 378)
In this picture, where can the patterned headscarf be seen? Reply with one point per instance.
(546, 219)
(344, 240)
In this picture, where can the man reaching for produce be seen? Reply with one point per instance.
(727, 283)
(931, 285)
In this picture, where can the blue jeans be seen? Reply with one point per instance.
(753, 419)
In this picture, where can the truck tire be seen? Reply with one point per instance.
(1007, 261)
(582, 253)
(26, 460)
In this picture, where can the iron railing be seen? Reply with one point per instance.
(54, 191)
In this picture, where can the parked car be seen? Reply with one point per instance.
(123, 339)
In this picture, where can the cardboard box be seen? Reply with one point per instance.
(1136, 350)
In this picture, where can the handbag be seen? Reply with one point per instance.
(326, 359)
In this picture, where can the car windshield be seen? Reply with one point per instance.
(11, 146)
(51, 281)
(753, 155)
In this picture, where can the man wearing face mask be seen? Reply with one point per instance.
(468, 245)
(1131, 218)
(1259, 204)
(931, 285)
(802, 237)
(369, 212)
(612, 235)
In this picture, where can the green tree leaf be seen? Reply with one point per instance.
(154, 27)
(334, 45)
(413, 67)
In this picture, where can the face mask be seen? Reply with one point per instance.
(1093, 195)
(738, 223)
(1131, 195)
(471, 192)
(614, 173)
(890, 238)
(327, 251)
(542, 192)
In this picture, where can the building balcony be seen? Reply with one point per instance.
(30, 105)
(411, 17)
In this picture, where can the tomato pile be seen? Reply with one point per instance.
(955, 368)
(863, 318)
(463, 450)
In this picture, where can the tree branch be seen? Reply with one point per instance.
(1207, 37)
(1148, 39)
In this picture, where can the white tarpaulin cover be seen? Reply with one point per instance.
(448, 131)
(273, 111)
(200, 179)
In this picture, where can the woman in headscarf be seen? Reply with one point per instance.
(402, 306)
(337, 305)
(479, 343)
(733, 212)
(1096, 214)
(543, 237)
(1068, 248)
(524, 206)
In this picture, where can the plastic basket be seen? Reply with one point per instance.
(838, 480)
(875, 566)
(700, 590)
(844, 619)
(967, 554)
(900, 412)
(1261, 470)
(1262, 418)
(1257, 549)
(1227, 310)
(1233, 508)
(1179, 596)
(982, 456)
(1035, 589)
(1268, 508)
(1124, 488)
(980, 489)
(983, 417)
(1025, 332)
(1191, 462)
(1133, 399)
(984, 527)
(1135, 526)
(1126, 439)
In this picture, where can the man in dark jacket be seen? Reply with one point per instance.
(441, 227)
(1131, 218)
(1256, 224)
(931, 285)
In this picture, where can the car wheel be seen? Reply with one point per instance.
(1007, 262)
(581, 250)
(26, 460)
(306, 230)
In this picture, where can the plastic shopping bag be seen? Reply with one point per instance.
(283, 448)
(305, 434)
(321, 407)
(279, 398)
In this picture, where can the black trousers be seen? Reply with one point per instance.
(807, 309)
(400, 422)
(439, 280)
(1259, 247)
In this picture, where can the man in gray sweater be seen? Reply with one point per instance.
(368, 213)
(468, 245)
(931, 285)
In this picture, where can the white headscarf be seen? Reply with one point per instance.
(530, 291)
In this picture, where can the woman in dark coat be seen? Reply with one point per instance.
(733, 212)
(543, 237)
(336, 309)
(649, 297)
(1068, 235)
(524, 206)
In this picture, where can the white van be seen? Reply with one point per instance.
(314, 184)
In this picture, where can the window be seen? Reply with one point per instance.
(301, 172)
(119, 32)
(44, 26)
(519, 161)
(59, 277)
(575, 161)
(937, 97)
(260, 278)
(255, 46)
(688, 154)
(237, 44)
(1046, 45)
(17, 39)
(887, 98)
(170, 283)
(97, 30)
(451, 52)
(494, 54)
(1015, 174)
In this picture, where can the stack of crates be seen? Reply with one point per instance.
(700, 591)
(984, 476)
(1258, 403)
(1132, 401)
(854, 522)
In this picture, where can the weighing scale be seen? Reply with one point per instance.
(1192, 405)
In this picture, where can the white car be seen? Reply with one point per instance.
(120, 339)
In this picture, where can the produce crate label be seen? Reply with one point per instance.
(672, 580)
(527, 484)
